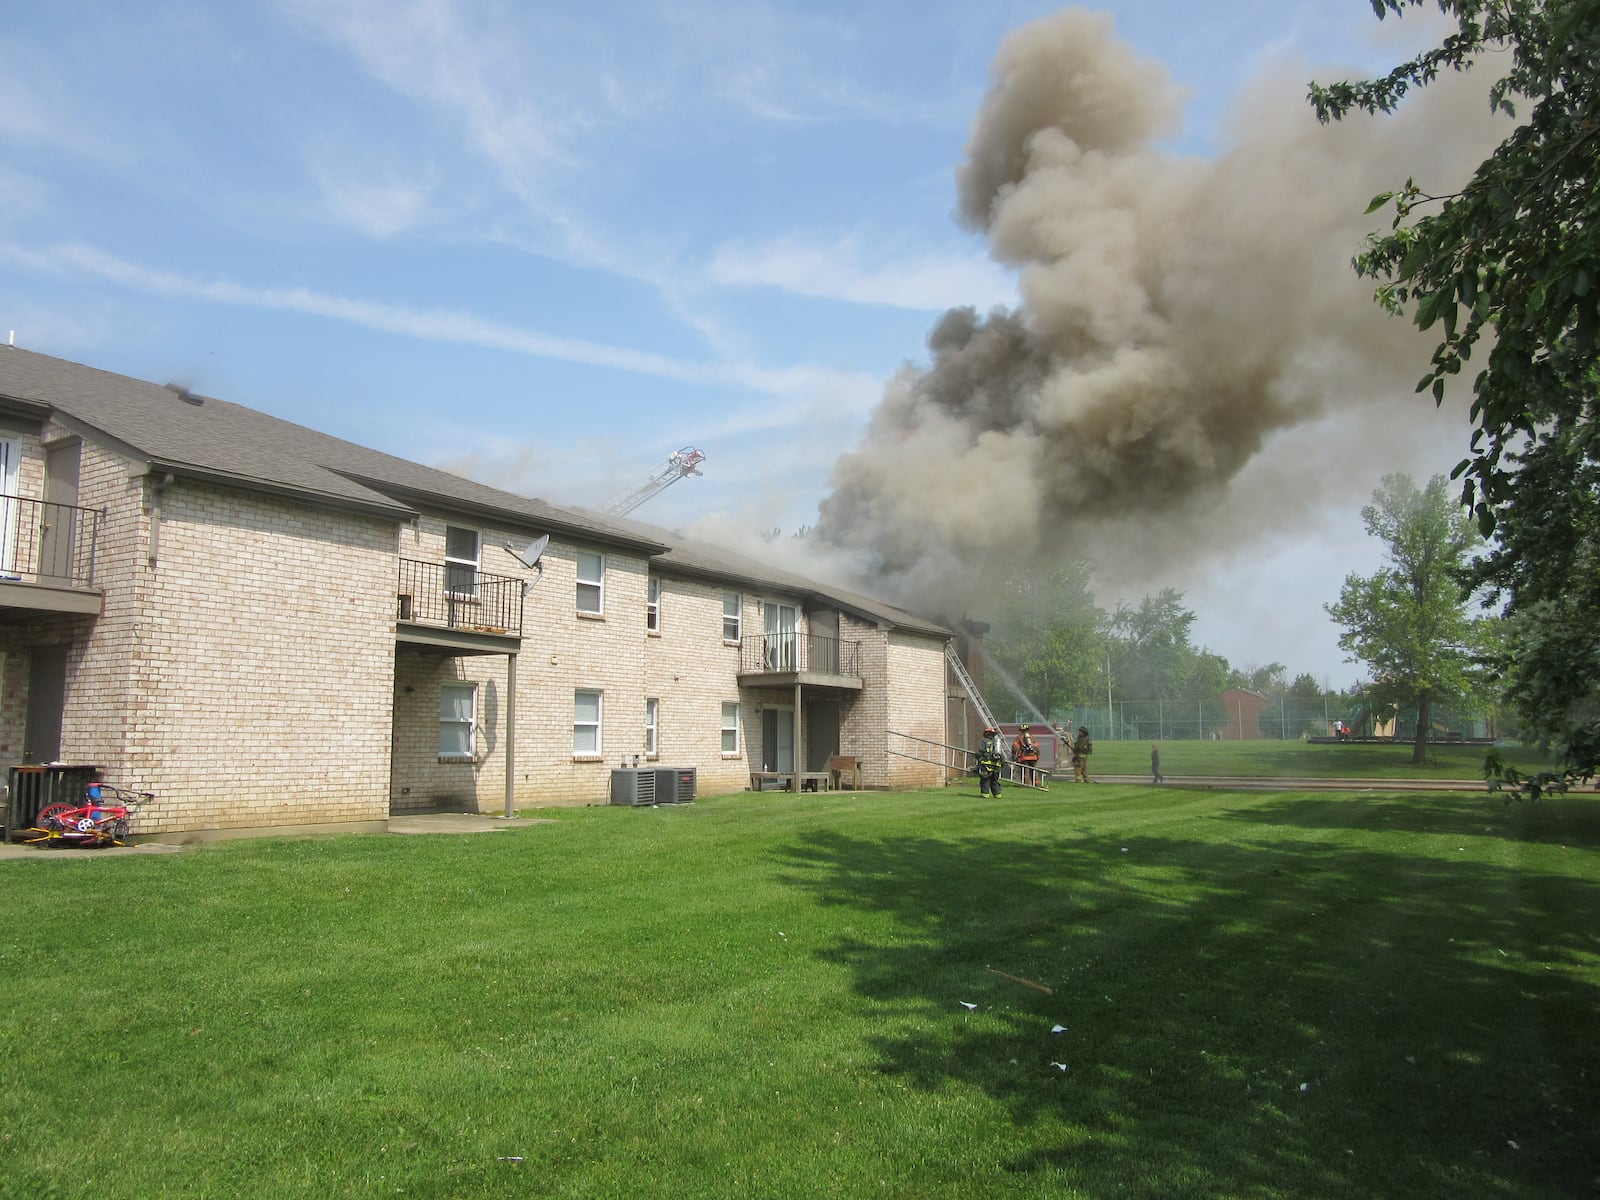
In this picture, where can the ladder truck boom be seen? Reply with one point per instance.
(680, 463)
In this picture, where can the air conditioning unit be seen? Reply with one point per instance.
(633, 785)
(675, 785)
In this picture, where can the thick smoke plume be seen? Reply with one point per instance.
(1178, 316)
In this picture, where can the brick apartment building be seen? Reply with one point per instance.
(270, 627)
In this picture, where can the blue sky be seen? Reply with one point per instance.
(544, 245)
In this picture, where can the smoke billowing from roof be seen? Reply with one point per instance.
(1178, 317)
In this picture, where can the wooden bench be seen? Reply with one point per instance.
(760, 779)
(840, 765)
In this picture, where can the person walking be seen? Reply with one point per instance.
(991, 761)
(1155, 764)
(1082, 747)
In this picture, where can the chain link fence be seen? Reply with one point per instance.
(1289, 718)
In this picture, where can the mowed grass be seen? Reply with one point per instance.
(768, 995)
(1272, 759)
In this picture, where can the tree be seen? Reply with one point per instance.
(1409, 621)
(1545, 565)
(1049, 640)
(1513, 259)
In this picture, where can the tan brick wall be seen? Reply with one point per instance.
(916, 703)
(257, 654)
(686, 666)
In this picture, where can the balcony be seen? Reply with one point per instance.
(458, 608)
(774, 659)
(47, 554)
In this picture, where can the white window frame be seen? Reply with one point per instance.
(455, 564)
(468, 728)
(732, 622)
(652, 604)
(652, 727)
(596, 726)
(730, 728)
(591, 586)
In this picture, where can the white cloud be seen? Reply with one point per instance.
(432, 325)
(840, 270)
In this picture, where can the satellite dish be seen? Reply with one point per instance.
(531, 556)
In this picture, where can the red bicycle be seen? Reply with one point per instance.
(103, 821)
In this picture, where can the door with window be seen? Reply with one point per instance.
(780, 627)
(777, 739)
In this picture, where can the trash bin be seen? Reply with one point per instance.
(33, 787)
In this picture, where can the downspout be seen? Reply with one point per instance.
(156, 490)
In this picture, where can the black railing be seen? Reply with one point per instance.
(774, 652)
(459, 597)
(42, 542)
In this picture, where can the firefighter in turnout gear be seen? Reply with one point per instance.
(991, 761)
(1082, 747)
(1024, 749)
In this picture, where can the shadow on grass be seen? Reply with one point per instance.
(1290, 1018)
(1557, 821)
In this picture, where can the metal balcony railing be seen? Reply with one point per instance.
(42, 542)
(776, 652)
(452, 596)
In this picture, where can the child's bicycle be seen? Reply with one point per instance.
(102, 821)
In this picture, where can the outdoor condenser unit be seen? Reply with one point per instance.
(675, 785)
(633, 785)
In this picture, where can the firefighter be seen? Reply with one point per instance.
(1024, 749)
(1082, 747)
(991, 760)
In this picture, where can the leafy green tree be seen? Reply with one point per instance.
(1049, 640)
(1545, 565)
(1150, 653)
(1409, 621)
(1512, 261)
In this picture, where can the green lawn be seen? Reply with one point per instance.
(1260, 995)
(1289, 759)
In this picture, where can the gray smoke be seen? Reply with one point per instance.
(1178, 317)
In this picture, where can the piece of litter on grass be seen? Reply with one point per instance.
(964, 1004)
(1124, 849)
(1059, 1066)
(1058, 1029)
(1512, 1144)
(1305, 1087)
(509, 1158)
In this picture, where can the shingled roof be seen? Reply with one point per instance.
(171, 430)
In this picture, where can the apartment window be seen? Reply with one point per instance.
(652, 606)
(586, 711)
(591, 582)
(458, 720)
(730, 728)
(732, 606)
(462, 548)
(652, 725)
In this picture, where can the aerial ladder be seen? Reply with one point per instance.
(679, 464)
